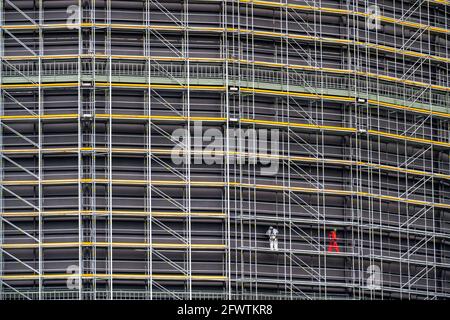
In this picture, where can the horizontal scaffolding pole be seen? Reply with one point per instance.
(161, 214)
(350, 163)
(263, 34)
(290, 125)
(240, 61)
(315, 96)
(194, 246)
(114, 276)
(219, 184)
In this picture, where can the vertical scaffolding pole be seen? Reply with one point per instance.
(186, 56)
(110, 146)
(355, 176)
(149, 220)
(364, 123)
(251, 171)
(320, 139)
(40, 142)
(376, 159)
(2, 207)
(288, 162)
(92, 162)
(79, 152)
(226, 57)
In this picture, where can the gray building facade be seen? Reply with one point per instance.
(147, 146)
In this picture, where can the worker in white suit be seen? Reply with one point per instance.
(273, 238)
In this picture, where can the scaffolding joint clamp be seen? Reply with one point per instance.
(361, 100)
(233, 89)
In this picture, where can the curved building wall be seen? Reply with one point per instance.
(122, 177)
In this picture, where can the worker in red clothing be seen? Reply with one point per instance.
(333, 241)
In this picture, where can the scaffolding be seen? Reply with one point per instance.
(93, 205)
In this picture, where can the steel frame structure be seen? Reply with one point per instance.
(92, 206)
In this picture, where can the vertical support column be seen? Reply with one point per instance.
(189, 149)
(407, 185)
(251, 173)
(40, 141)
(148, 101)
(225, 55)
(92, 163)
(79, 152)
(287, 207)
(400, 163)
(1, 148)
(108, 39)
(236, 221)
(375, 174)
(431, 287)
(364, 123)
(432, 284)
(441, 213)
(320, 146)
(354, 149)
